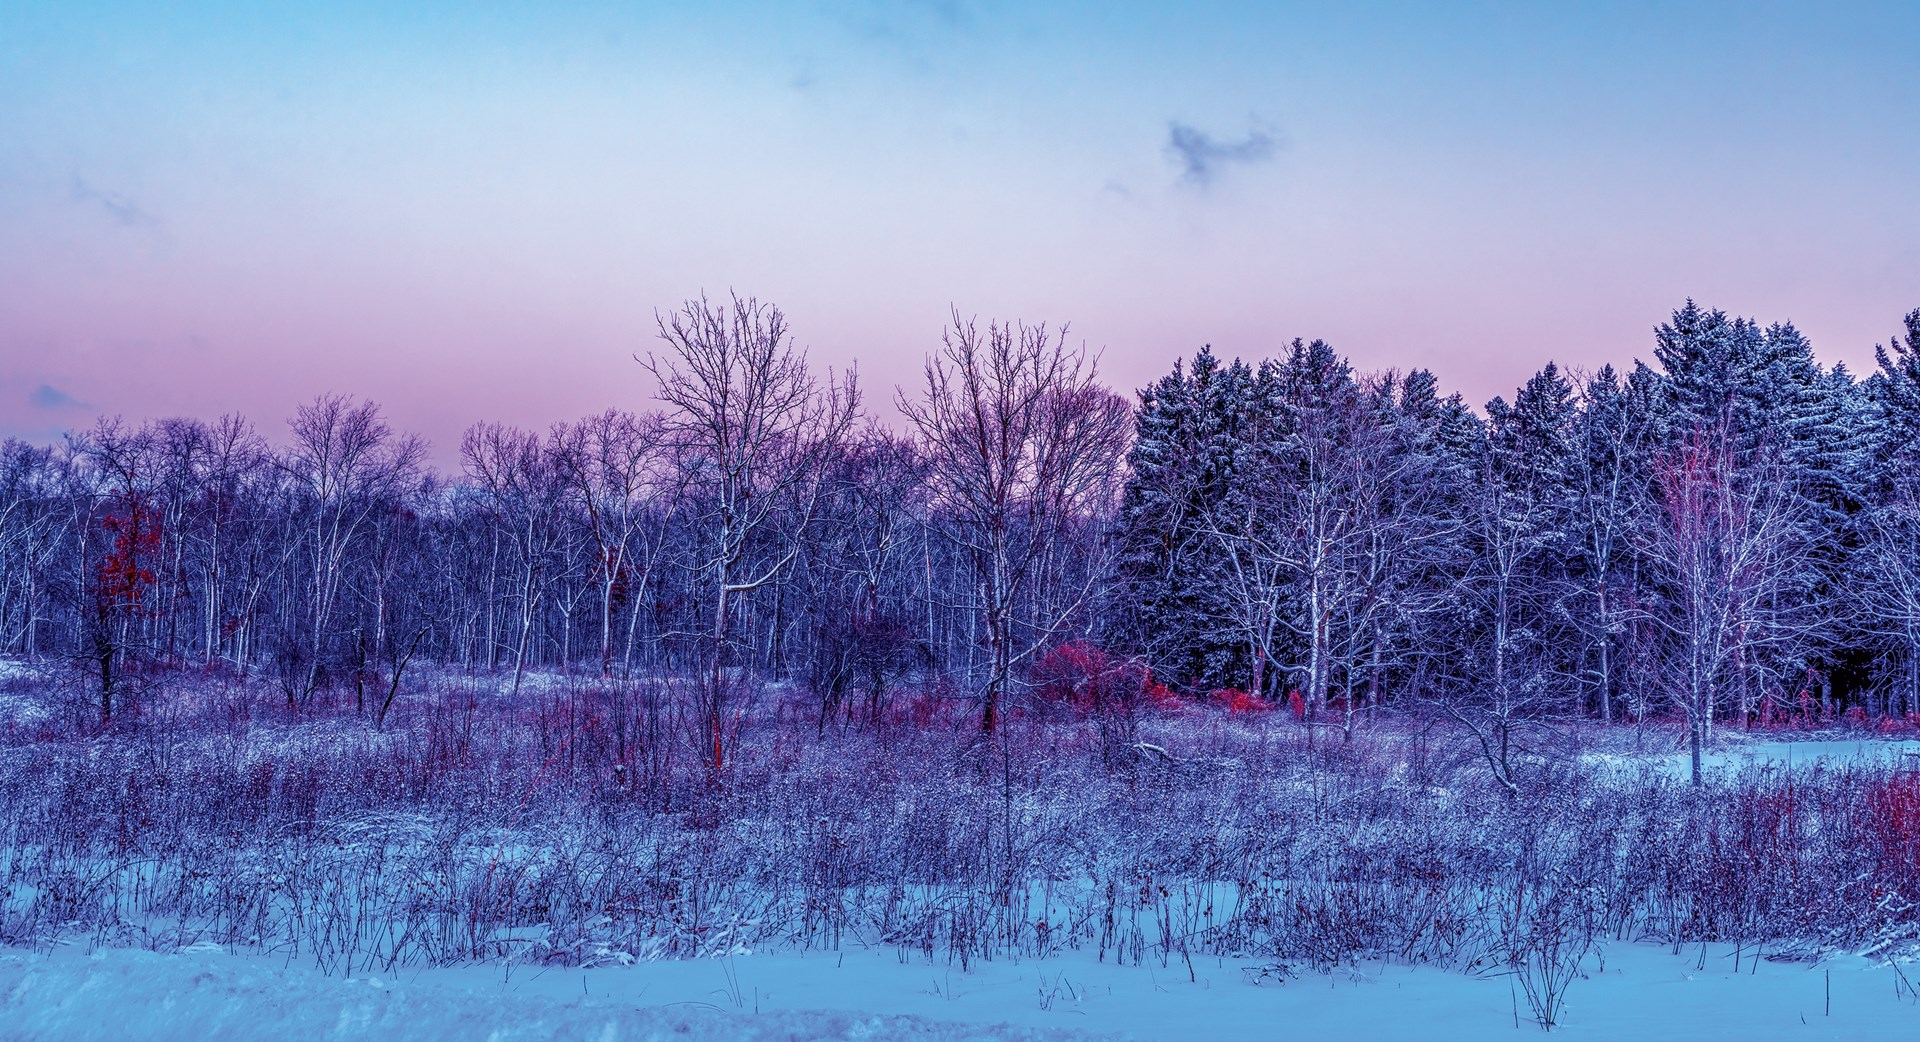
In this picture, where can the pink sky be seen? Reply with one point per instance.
(471, 219)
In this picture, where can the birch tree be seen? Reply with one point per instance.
(755, 431)
(1023, 445)
(524, 486)
(347, 463)
(1730, 549)
(617, 466)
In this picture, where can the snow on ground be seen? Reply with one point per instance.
(1643, 993)
(207, 996)
(1734, 751)
(1831, 752)
(20, 704)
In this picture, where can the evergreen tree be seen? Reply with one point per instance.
(1885, 574)
(1759, 395)
(1190, 427)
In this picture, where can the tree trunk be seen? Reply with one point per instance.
(1693, 746)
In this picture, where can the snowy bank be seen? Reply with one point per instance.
(1642, 992)
(208, 996)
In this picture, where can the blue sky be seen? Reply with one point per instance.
(472, 211)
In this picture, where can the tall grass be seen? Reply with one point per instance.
(577, 825)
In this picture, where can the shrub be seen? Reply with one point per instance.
(1238, 702)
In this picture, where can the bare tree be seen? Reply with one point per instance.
(1515, 530)
(524, 487)
(1506, 673)
(1258, 577)
(346, 462)
(1888, 591)
(755, 431)
(118, 563)
(1319, 539)
(32, 531)
(1613, 428)
(1025, 448)
(235, 454)
(617, 467)
(1731, 548)
(861, 629)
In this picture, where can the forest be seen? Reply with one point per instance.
(1280, 663)
(1724, 536)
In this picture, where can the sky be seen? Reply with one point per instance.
(471, 211)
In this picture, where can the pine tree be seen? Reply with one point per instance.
(1190, 429)
(1885, 572)
(1758, 395)
(1894, 393)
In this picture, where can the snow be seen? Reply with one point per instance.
(20, 704)
(1835, 752)
(1734, 753)
(1642, 992)
(205, 995)
(1628, 991)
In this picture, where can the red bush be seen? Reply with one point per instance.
(1081, 676)
(1161, 696)
(933, 706)
(1892, 824)
(1236, 701)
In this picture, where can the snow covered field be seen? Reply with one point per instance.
(1633, 991)
(479, 869)
(1736, 752)
(1788, 754)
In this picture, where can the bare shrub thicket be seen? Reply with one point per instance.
(576, 824)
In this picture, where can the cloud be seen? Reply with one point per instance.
(1202, 156)
(123, 210)
(47, 396)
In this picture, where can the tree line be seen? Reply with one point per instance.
(1726, 533)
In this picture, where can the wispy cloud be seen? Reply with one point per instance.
(1202, 156)
(47, 396)
(123, 210)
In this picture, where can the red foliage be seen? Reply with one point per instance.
(1895, 802)
(124, 576)
(924, 708)
(933, 706)
(1892, 823)
(1297, 704)
(1895, 724)
(1081, 676)
(1796, 712)
(1236, 701)
(1161, 696)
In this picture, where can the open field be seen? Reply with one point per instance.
(1194, 866)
